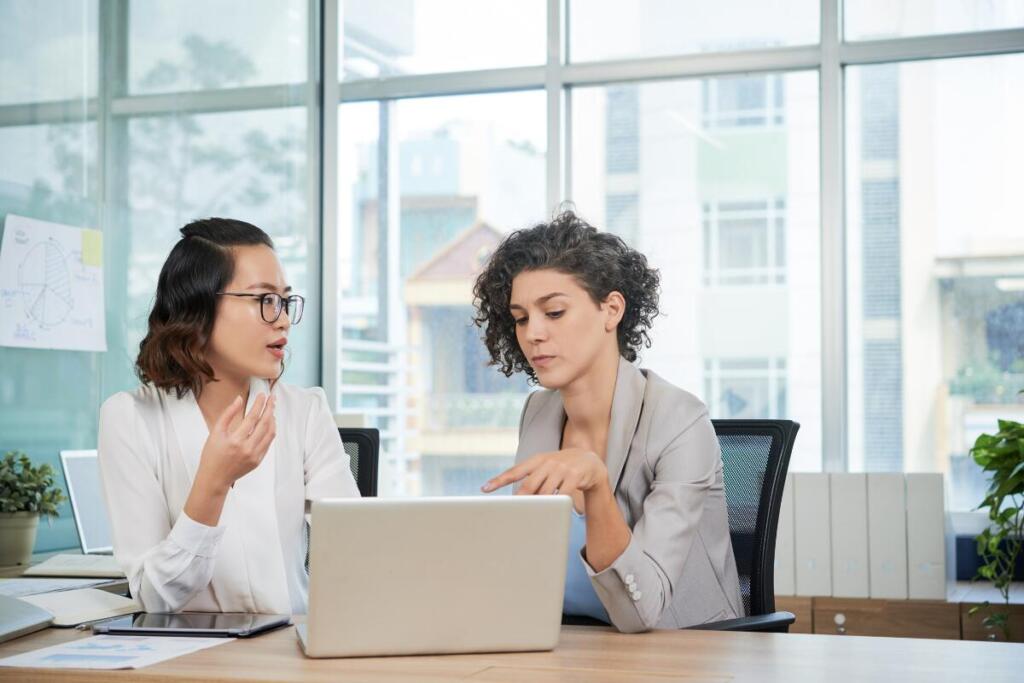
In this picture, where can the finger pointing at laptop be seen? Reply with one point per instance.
(571, 471)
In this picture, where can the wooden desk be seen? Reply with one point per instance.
(584, 655)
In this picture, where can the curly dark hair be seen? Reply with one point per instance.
(172, 355)
(601, 263)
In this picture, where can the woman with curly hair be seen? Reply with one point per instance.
(649, 544)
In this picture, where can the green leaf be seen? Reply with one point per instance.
(24, 488)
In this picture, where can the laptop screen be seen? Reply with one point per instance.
(82, 474)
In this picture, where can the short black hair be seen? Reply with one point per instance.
(600, 261)
(172, 354)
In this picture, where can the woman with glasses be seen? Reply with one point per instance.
(206, 466)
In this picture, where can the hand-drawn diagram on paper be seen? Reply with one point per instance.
(51, 286)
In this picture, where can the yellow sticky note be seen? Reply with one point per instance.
(92, 247)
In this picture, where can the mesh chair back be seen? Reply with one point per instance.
(755, 459)
(363, 449)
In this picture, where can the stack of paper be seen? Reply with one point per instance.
(73, 607)
(95, 566)
(15, 588)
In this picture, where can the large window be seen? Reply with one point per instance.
(729, 215)
(936, 262)
(828, 188)
(427, 189)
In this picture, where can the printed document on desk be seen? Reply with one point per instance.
(111, 652)
(17, 587)
(66, 564)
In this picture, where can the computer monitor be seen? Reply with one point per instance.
(82, 474)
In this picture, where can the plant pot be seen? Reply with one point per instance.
(17, 537)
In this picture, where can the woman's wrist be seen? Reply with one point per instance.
(211, 483)
(206, 499)
(600, 493)
(607, 532)
(599, 477)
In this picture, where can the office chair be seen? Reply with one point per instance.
(755, 459)
(363, 449)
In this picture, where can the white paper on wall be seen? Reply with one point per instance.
(51, 286)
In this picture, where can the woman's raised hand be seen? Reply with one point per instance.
(237, 443)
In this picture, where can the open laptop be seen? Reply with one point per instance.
(435, 575)
(82, 474)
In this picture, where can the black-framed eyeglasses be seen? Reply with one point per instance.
(271, 305)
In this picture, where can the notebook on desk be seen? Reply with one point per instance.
(74, 607)
(29, 613)
(85, 566)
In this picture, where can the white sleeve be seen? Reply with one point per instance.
(166, 566)
(326, 465)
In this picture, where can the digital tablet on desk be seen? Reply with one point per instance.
(206, 624)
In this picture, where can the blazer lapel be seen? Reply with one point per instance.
(543, 432)
(627, 402)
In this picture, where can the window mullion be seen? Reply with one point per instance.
(833, 247)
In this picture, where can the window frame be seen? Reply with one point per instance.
(323, 92)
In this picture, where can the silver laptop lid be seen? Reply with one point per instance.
(436, 575)
(82, 474)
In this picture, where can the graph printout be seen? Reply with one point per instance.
(111, 652)
(51, 286)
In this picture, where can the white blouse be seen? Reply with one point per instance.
(150, 443)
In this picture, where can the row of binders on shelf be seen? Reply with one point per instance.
(874, 535)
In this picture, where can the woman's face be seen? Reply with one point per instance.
(560, 329)
(243, 344)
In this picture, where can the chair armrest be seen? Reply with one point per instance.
(776, 621)
(573, 620)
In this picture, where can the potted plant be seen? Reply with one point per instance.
(999, 545)
(26, 492)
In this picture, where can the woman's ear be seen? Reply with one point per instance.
(614, 307)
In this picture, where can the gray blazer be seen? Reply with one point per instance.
(665, 467)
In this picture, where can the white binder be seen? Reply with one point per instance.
(811, 531)
(785, 578)
(849, 522)
(887, 535)
(926, 537)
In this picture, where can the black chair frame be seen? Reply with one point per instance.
(763, 616)
(367, 441)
